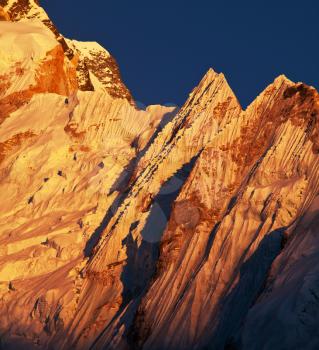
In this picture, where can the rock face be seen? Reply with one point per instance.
(150, 229)
(95, 67)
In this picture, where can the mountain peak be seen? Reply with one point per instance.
(96, 68)
(210, 75)
(282, 79)
(212, 83)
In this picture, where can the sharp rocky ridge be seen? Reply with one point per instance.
(163, 228)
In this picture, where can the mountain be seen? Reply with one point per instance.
(95, 67)
(164, 228)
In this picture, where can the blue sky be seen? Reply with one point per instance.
(165, 47)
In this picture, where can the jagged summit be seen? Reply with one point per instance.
(96, 68)
(282, 78)
(155, 229)
(211, 75)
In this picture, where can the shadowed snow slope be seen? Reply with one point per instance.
(150, 229)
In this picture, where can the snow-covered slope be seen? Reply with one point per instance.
(150, 229)
(25, 49)
(95, 67)
(29, 58)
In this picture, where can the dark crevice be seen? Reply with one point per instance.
(123, 185)
(140, 267)
(95, 237)
(167, 118)
(148, 252)
(235, 305)
(141, 261)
